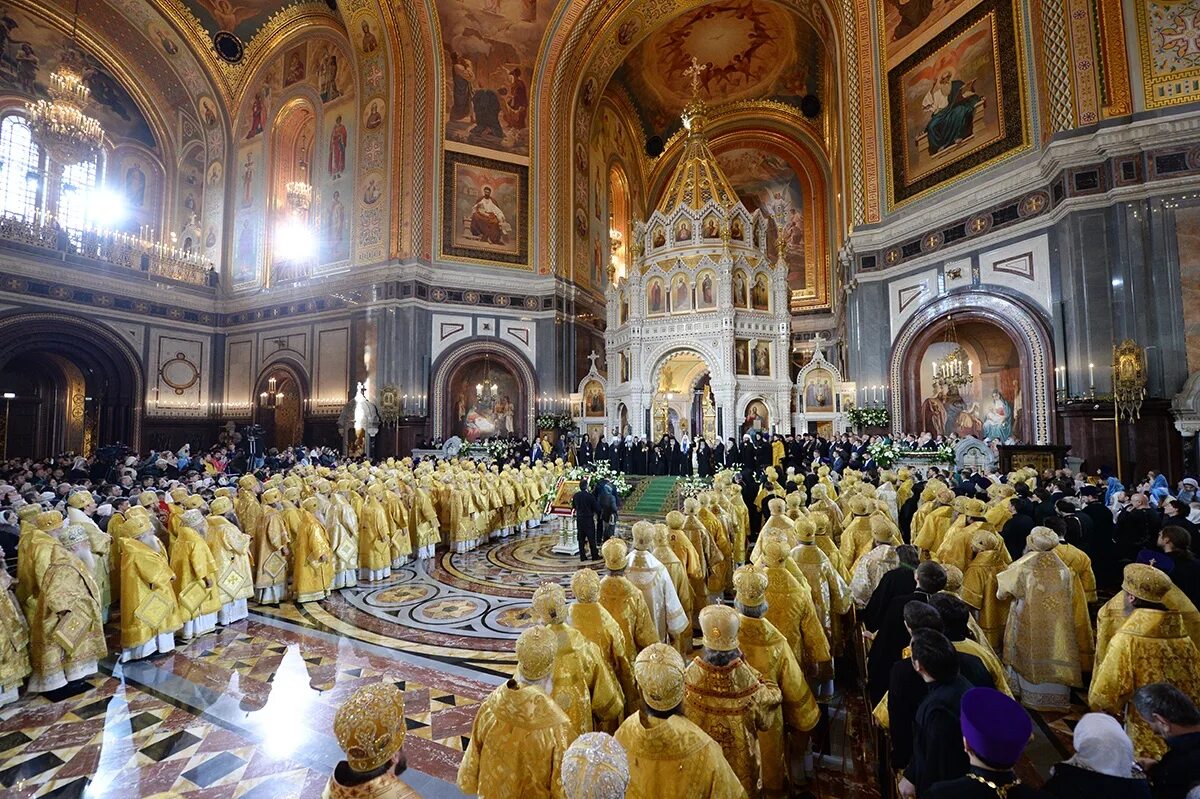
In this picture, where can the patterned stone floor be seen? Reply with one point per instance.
(247, 712)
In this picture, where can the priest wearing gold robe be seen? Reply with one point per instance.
(979, 586)
(195, 577)
(35, 549)
(624, 600)
(831, 595)
(790, 608)
(679, 579)
(14, 642)
(341, 527)
(312, 558)
(270, 551)
(874, 564)
(702, 541)
(596, 624)
(519, 734)
(374, 539)
(727, 698)
(80, 508)
(1048, 637)
(230, 548)
(66, 635)
(149, 608)
(1151, 646)
(582, 683)
(670, 756)
(856, 532)
(955, 548)
(370, 728)
(769, 653)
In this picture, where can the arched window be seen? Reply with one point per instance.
(76, 201)
(21, 175)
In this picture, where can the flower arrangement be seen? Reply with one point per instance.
(693, 486)
(943, 454)
(600, 470)
(497, 449)
(562, 422)
(869, 417)
(884, 453)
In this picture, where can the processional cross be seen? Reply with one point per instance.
(694, 72)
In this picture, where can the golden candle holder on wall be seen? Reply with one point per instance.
(1129, 379)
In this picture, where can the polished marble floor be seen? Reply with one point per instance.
(247, 712)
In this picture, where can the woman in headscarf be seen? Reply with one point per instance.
(1159, 491)
(1114, 487)
(1102, 765)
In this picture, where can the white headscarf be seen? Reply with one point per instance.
(1102, 746)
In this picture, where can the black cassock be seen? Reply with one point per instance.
(718, 455)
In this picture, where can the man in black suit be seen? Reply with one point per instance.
(1172, 715)
(1100, 546)
(586, 508)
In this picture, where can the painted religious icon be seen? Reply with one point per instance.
(339, 140)
(989, 406)
(486, 217)
(659, 237)
(593, 399)
(135, 187)
(374, 114)
(335, 239)
(656, 297)
(294, 65)
(624, 360)
(762, 359)
(756, 417)
(737, 231)
(706, 292)
(477, 414)
(741, 356)
(760, 294)
(681, 294)
(741, 285)
(683, 230)
(712, 227)
(818, 391)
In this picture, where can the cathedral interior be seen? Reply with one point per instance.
(386, 228)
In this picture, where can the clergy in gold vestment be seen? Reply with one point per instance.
(149, 608)
(693, 563)
(979, 586)
(1079, 564)
(624, 600)
(720, 576)
(370, 728)
(670, 757)
(14, 642)
(679, 579)
(80, 507)
(727, 698)
(66, 636)
(769, 653)
(856, 532)
(1048, 638)
(581, 683)
(790, 608)
(955, 549)
(312, 559)
(589, 617)
(1151, 646)
(374, 540)
(702, 541)
(519, 734)
(874, 564)
(401, 544)
(270, 551)
(424, 519)
(35, 549)
(341, 526)
(1114, 612)
(231, 552)
(651, 577)
(249, 512)
(831, 595)
(195, 577)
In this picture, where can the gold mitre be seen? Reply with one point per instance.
(750, 583)
(535, 653)
(370, 726)
(675, 520)
(220, 506)
(1146, 582)
(550, 603)
(271, 496)
(659, 674)
(585, 584)
(775, 550)
(719, 624)
(881, 531)
(48, 520)
(614, 552)
(1042, 539)
(643, 535)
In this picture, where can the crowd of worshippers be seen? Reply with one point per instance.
(182, 561)
(754, 451)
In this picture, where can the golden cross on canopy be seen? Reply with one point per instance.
(694, 72)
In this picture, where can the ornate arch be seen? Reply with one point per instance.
(96, 346)
(664, 351)
(286, 363)
(470, 349)
(1030, 334)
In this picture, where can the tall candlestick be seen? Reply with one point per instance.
(1092, 378)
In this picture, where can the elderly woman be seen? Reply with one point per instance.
(1103, 763)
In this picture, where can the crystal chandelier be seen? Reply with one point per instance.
(60, 124)
(488, 387)
(956, 369)
(299, 195)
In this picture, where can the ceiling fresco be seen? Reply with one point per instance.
(750, 50)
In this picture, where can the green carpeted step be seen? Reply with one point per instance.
(653, 497)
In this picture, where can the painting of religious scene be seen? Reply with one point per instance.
(762, 179)
(909, 24)
(246, 249)
(476, 414)
(741, 357)
(706, 291)
(762, 359)
(818, 391)
(760, 293)
(711, 229)
(593, 399)
(683, 230)
(756, 417)
(741, 286)
(681, 294)
(485, 217)
(656, 296)
(990, 405)
(955, 104)
(748, 50)
(242, 18)
(330, 70)
(32, 49)
(490, 50)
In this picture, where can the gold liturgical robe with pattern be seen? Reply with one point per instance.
(231, 551)
(312, 560)
(66, 629)
(1048, 638)
(583, 685)
(374, 537)
(35, 551)
(270, 538)
(148, 603)
(672, 758)
(385, 786)
(956, 546)
(831, 595)
(14, 638)
(1151, 646)
(249, 511)
(625, 602)
(768, 652)
(790, 609)
(1081, 565)
(979, 591)
(341, 526)
(732, 703)
(517, 743)
(720, 576)
(195, 574)
(1112, 615)
(598, 626)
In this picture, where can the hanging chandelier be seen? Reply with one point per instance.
(61, 124)
(487, 387)
(956, 369)
(299, 195)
